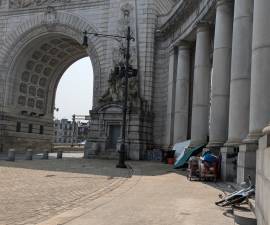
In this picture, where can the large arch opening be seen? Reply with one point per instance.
(31, 89)
(74, 99)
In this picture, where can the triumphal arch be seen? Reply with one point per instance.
(41, 39)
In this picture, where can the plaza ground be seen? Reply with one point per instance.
(76, 191)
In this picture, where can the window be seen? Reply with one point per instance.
(30, 128)
(41, 129)
(18, 127)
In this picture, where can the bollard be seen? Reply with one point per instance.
(59, 154)
(11, 155)
(29, 154)
(45, 154)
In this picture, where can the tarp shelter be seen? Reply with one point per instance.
(186, 153)
(179, 148)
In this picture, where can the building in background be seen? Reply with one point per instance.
(65, 132)
(83, 131)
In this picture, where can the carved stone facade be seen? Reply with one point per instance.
(42, 38)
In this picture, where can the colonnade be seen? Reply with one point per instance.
(231, 96)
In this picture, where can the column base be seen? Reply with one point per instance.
(246, 162)
(197, 143)
(228, 163)
(233, 143)
(215, 144)
(253, 137)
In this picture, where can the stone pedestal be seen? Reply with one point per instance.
(182, 93)
(201, 87)
(29, 154)
(220, 90)
(45, 154)
(263, 179)
(246, 162)
(228, 163)
(11, 155)
(102, 141)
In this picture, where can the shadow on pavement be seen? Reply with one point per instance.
(75, 163)
(68, 165)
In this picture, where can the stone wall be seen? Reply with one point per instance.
(263, 181)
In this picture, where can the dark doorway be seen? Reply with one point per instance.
(114, 134)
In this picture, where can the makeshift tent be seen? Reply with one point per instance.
(186, 154)
(180, 147)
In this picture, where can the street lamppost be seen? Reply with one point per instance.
(128, 38)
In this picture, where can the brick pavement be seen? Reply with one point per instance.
(155, 195)
(34, 191)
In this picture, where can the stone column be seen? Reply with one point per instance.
(239, 91)
(182, 93)
(201, 87)
(259, 92)
(260, 71)
(240, 72)
(219, 114)
(171, 97)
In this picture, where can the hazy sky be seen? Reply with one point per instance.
(75, 90)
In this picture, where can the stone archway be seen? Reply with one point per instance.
(34, 58)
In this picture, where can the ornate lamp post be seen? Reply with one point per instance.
(128, 38)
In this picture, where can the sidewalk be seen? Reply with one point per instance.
(155, 195)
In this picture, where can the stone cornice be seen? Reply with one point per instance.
(164, 19)
(184, 13)
(57, 6)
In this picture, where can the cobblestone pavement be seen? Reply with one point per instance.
(155, 195)
(34, 191)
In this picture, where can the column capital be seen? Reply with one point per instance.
(203, 26)
(172, 49)
(183, 44)
(223, 2)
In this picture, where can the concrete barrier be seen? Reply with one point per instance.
(29, 154)
(45, 154)
(11, 155)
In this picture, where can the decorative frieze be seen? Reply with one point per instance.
(15, 4)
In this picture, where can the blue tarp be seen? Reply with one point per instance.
(184, 157)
